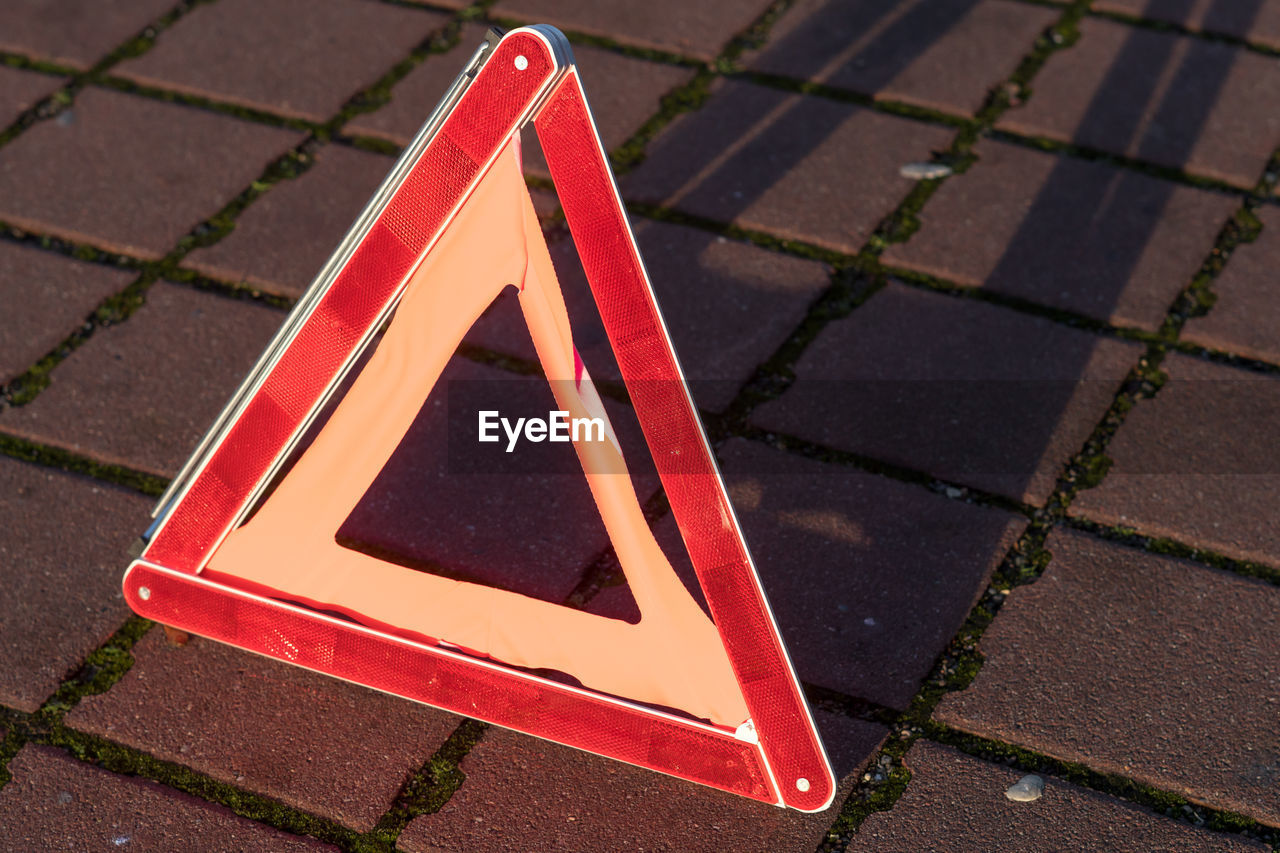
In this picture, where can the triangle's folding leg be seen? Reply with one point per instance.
(660, 396)
(206, 570)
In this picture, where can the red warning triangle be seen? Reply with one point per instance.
(713, 702)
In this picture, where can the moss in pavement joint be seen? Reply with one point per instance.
(833, 456)
(796, 248)
(834, 93)
(103, 667)
(169, 96)
(232, 290)
(1227, 359)
(79, 251)
(753, 37)
(430, 788)
(1131, 538)
(126, 761)
(868, 797)
(39, 66)
(27, 386)
(371, 144)
(1058, 315)
(1198, 298)
(1117, 161)
(1179, 29)
(12, 742)
(53, 457)
(45, 108)
(1087, 468)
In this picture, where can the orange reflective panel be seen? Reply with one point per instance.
(672, 657)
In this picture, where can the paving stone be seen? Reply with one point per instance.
(1178, 101)
(868, 578)
(63, 547)
(253, 53)
(727, 305)
(283, 239)
(56, 803)
(77, 33)
(46, 296)
(1255, 20)
(801, 167)
(528, 794)
(1246, 318)
(1198, 463)
(316, 743)
(142, 393)
(944, 56)
(623, 92)
(1109, 243)
(129, 173)
(1158, 669)
(956, 803)
(961, 389)
(694, 29)
(21, 90)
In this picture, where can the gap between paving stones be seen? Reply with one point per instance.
(1182, 30)
(849, 459)
(1165, 546)
(1119, 161)
(75, 463)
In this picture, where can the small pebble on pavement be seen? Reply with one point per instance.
(1026, 789)
(924, 171)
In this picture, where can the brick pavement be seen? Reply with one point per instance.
(1004, 443)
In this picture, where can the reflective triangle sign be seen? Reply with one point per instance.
(244, 549)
